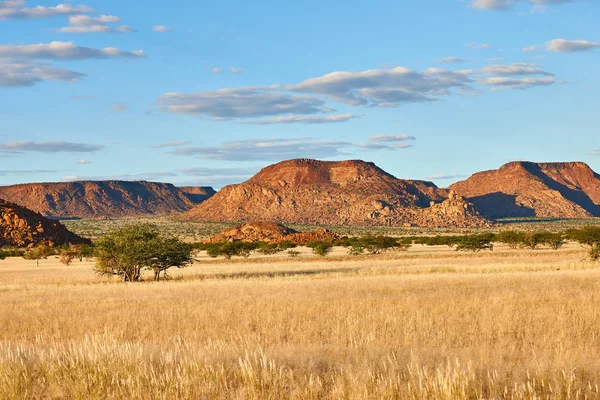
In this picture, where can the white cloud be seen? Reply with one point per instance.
(268, 149)
(491, 4)
(446, 176)
(385, 88)
(570, 46)
(529, 49)
(305, 119)
(505, 5)
(21, 74)
(518, 83)
(119, 107)
(49, 147)
(15, 9)
(478, 46)
(391, 138)
(379, 146)
(236, 70)
(171, 144)
(26, 172)
(240, 103)
(84, 162)
(217, 70)
(85, 24)
(161, 29)
(452, 60)
(595, 152)
(64, 51)
(515, 69)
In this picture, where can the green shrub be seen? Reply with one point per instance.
(321, 248)
(513, 239)
(476, 243)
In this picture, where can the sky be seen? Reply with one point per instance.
(208, 93)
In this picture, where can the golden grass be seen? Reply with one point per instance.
(421, 324)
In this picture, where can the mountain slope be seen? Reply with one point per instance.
(522, 189)
(335, 193)
(22, 227)
(93, 199)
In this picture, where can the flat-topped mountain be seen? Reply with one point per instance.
(522, 189)
(305, 191)
(96, 199)
(21, 227)
(197, 194)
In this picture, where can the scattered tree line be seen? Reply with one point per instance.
(128, 251)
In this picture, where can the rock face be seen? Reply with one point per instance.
(526, 189)
(307, 191)
(21, 227)
(197, 194)
(271, 232)
(95, 199)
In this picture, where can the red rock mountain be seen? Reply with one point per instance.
(94, 199)
(197, 194)
(307, 191)
(521, 189)
(21, 227)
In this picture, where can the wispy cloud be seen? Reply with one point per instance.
(64, 51)
(570, 46)
(453, 60)
(446, 176)
(478, 46)
(119, 107)
(16, 9)
(84, 162)
(49, 147)
(391, 138)
(26, 172)
(15, 74)
(161, 29)
(240, 103)
(86, 24)
(171, 144)
(236, 70)
(506, 5)
(304, 119)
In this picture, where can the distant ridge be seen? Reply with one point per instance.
(354, 192)
(527, 189)
(102, 199)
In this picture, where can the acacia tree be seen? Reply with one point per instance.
(128, 250)
(38, 253)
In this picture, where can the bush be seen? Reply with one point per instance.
(588, 236)
(293, 253)
(379, 244)
(321, 248)
(554, 240)
(231, 249)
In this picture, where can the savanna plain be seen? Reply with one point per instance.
(427, 323)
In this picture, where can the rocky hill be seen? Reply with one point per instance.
(21, 227)
(101, 199)
(270, 232)
(307, 191)
(197, 194)
(523, 189)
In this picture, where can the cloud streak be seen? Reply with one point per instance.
(64, 51)
(304, 119)
(17, 10)
(49, 147)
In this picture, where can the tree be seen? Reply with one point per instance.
(68, 255)
(168, 252)
(476, 243)
(590, 237)
(380, 243)
(38, 253)
(511, 238)
(125, 252)
(554, 240)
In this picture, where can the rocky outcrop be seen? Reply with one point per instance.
(103, 199)
(307, 191)
(198, 194)
(270, 232)
(21, 227)
(527, 189)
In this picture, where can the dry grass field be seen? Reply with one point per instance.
(429, 323)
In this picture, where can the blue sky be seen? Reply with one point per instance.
(196, 93)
